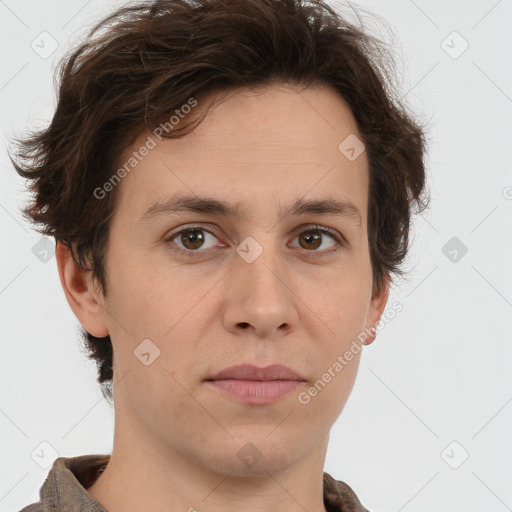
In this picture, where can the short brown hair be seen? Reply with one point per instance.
(146, 60)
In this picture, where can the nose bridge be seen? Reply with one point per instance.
(260, 265)
(260, 295)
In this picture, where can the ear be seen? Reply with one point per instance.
(377, 305)
(84, 299)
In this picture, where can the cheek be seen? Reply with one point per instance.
(340, 306)
(344, 303)
(155, 395)
(326, 396)
(155, 312)
(149, 298)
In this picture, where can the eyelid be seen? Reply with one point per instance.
(324, 229)
(190, 227)
(334, 234)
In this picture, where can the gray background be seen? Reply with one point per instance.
(435, 386)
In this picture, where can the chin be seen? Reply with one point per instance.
(254, 456)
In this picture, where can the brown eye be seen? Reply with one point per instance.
(310, 240)
(192, 238)
(192, 241)
(313, 239)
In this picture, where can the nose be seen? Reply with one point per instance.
(260, 298)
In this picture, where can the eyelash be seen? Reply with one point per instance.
(339, 239)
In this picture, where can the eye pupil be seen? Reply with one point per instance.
(310, 238)
(196, 238)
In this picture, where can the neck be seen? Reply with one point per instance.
(144, 474)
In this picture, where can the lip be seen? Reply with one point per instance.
(251, 372)
(254, 392)
(255, 386)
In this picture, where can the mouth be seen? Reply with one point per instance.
(251, 372)
(255, 392)
(253, 385)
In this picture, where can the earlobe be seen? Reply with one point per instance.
(377, 306)
(83, 298)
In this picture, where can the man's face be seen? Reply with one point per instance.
(208, 299)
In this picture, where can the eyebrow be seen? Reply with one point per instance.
(208, 205)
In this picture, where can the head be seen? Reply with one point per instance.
(271, 105)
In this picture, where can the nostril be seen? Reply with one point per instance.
(244, 324)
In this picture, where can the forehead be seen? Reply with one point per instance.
(281, 139)
(277, 116)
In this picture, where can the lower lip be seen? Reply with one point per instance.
(255, 391)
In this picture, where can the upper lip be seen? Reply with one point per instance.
(251, 372)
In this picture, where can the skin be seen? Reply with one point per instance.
(176, 440)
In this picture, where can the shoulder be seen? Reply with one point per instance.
(339, 497)
(67, 482)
